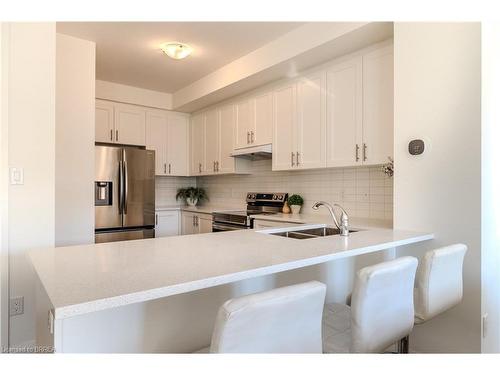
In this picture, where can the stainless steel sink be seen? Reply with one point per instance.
(304, 234)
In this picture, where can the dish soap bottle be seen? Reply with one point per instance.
(286, 208)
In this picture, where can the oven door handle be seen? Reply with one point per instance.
(227, 227)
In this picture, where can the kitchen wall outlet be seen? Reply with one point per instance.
(16, 306)
(16, 176)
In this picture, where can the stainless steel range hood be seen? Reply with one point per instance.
(254, 153)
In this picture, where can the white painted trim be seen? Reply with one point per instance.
(132, 95)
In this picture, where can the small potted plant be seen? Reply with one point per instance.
(295, 202)
(192, 195)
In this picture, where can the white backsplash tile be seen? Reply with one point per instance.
(166, 189)
(363, 192)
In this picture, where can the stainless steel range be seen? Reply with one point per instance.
(257, 204)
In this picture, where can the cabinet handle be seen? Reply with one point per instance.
(298, 162)
(111, 134)
(252, 138)
(248, 137)
(156, 219)
(169, 168)
(165, 168)
(214, 165)
(116, 135)
(364, 151)
(357, 152)
(217, 168)
(293, 161)
(199, 167)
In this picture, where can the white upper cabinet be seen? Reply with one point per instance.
(378, 106)
(310, 151)
(263, 133)
(177, 155)
(167, 134)
(156, 138)
(120, 123)
(284, 102)
(211, 140)
(344, 113)
(198, 144)
(130, 125)
(104, 121)
(226, 163)
(245, 123)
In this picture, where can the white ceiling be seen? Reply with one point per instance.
(128, 52)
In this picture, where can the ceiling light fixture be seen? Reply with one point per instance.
(176, 50)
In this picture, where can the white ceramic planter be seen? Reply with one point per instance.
(191, 202)
(295, 208)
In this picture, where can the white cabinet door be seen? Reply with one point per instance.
(226, 139)
(198, 145)
(284, 101)
(167, 223)
(104, 121)
(156, 138)
(188, 223)
(378, 104)
(177, 145)
(130, 125)
(244, 123)
(211, 140)
(311, 122)
(344, 113)
(263, 119)
(204, 223)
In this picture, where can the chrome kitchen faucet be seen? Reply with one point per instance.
(343, 227)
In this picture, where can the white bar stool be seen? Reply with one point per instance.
(282, 320)
(439, 283)
(381, 311)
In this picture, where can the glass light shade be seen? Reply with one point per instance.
(176, 50)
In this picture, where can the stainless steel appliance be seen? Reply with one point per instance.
(124, 193)
(257, 204)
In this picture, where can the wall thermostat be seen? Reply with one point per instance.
(416, 147)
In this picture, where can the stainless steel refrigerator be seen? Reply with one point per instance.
(124, 193)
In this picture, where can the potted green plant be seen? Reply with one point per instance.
(192, 195)
(295, 202)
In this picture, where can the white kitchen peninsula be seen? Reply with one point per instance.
(96, 291)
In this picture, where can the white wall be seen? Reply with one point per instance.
(132, 95)
(4, 254)
(75, 136)
(31, 144)
(437, 97)
(490, 256)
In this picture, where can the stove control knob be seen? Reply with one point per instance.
(274, 196)
(280, 197)
(249, 196)
(253, 196)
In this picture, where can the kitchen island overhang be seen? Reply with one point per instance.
(89, 278)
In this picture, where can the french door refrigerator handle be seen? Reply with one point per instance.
(120, 187)
(125, 187)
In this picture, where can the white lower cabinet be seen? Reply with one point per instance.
(195, 223)
(167, 223)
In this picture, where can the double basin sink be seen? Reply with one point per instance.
(306, 233)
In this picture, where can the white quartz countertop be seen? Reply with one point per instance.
(321, 218)
(87, 278)
(208, 209)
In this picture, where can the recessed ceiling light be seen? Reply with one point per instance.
(176, 50)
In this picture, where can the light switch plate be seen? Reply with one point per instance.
(16, 176)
